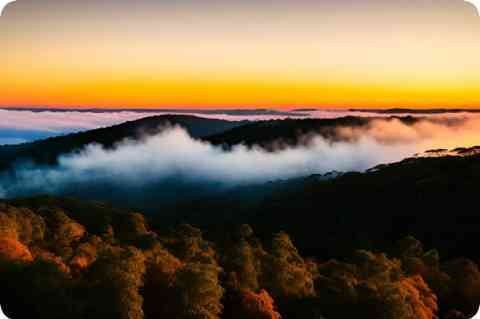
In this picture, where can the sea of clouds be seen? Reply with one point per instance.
(20, 126)
(174, 154)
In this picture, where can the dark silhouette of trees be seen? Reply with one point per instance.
(116, 278)
(159, 299)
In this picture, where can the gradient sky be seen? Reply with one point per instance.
(234, 53)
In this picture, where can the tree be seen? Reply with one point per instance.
(255, 306)
(38, 289)
(159, 301)
(130, 227)
(188, 245)
(410, 247)
(463, 291)
(14, 251)
(63, 232)
(374, 286)
(199, 291)
(86, 253)
(408, 298)
(286, 273)
(8, 227)
(377, 268)
(117, 276)
(242, 267)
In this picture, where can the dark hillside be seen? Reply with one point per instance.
(47, 151)
(276, 134)
(435, 199)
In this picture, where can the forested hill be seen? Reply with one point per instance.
(268, 134)
(277, 134)
(86, 260)
(47, 151)
(434, 199)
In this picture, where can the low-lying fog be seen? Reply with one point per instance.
(173, 154)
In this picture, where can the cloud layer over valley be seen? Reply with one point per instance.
(174, 156)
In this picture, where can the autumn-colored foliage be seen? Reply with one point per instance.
(257, 306)
(13, 250)
(121, 267)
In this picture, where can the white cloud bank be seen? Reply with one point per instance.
(64, 121)
(20, 123)
(174, 153)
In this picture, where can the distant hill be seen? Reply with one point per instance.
(47, 151)
(64, 249)
(415, 111)
(433, 197)
(276, 134)
(272, 134)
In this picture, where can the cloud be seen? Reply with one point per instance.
(443, 131)
(174, 155)
(64, 121)
(24, 126)
(19, 126)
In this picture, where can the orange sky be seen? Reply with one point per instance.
(341, 53)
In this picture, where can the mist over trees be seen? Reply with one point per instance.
(58, 264)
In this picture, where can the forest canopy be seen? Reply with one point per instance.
(116, 265)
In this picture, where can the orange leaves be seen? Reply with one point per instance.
(13, 250)
(258, 305)
(423, 301)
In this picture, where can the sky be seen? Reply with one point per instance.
(240, 54)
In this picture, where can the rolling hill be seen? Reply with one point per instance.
(47, 151)
(268, 134)
(432, 197)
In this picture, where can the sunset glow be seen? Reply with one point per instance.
(240, 54)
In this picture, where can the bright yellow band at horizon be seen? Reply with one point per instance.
(191, 55)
